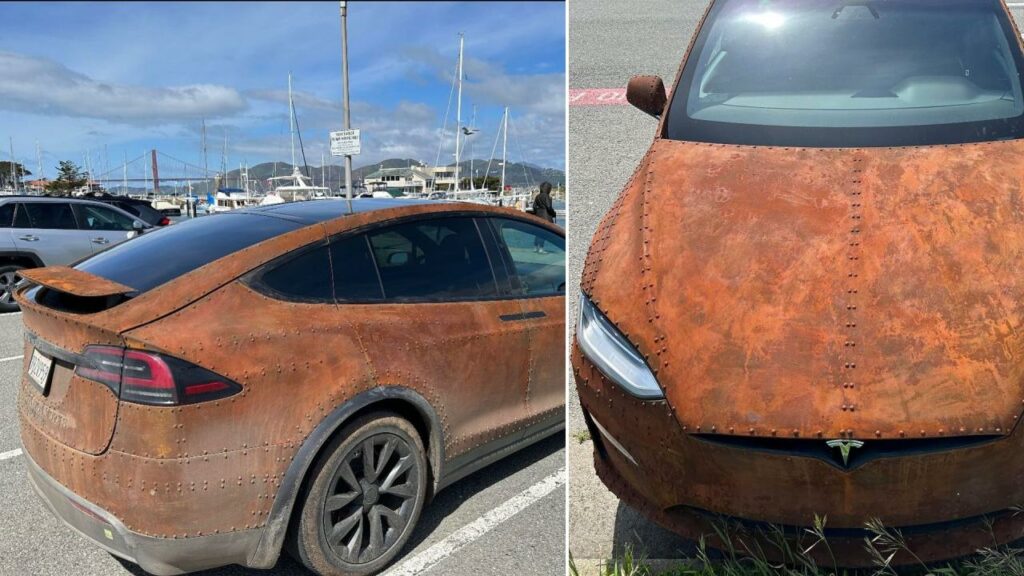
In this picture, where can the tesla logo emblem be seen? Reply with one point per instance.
(844, 448)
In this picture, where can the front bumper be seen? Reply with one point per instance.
(159, 556)
(946, 503)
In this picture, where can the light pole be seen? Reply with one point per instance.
(344, 87)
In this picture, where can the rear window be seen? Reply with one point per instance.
(162, 255)
(871, 73)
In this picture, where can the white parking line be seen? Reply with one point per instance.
(9, 358)
(423, 561)
(10, 454)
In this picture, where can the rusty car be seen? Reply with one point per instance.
(806, 301)
(303, 376)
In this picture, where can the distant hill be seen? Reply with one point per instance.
(516, 174)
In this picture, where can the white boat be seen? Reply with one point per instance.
(225, 202)
(298, 189)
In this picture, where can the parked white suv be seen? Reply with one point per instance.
(43, 231)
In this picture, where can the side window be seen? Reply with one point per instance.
(6, 215)
(102, 218)
(433, 259)
(355, 276)
(49, 215)
(538, 256)
(21, 217)
(305, 276)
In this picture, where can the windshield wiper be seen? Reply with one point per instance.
(864, 3)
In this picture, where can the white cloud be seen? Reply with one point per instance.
(43, 86)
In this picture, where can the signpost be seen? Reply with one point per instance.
(345, 143)
(344, 88)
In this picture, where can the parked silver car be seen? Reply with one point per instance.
(42, 231)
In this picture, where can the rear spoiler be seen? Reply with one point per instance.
(75, 282)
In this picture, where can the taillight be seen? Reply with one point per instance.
(164, 221)
(149, 378)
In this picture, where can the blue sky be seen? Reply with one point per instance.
(116, 79)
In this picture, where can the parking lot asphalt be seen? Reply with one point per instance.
(508, 518)
(609, 42)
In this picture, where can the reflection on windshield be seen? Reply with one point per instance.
(807, 64)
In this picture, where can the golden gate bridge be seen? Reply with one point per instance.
(163, 174)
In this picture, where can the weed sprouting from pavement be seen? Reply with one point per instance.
(771, 551)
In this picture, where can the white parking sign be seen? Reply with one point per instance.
(345, 143)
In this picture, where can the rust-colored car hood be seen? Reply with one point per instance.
(823, 292)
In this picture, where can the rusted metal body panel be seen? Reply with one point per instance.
(784, 297)
(820, 294)
(74, 281)
(217, 467)
(824, 293)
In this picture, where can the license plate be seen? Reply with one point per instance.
(39, 370)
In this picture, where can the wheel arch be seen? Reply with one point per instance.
(24, 259)
(403, 401)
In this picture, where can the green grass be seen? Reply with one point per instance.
(745, 556)
(581, 436)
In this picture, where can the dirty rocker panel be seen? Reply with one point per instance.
(489, 453)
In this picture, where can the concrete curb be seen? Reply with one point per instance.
(592, 566)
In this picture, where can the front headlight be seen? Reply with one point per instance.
(613, 355)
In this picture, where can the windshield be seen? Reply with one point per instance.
(851, 73)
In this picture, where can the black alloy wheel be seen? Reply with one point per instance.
(365, 499)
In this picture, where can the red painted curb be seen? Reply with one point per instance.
(597, 97)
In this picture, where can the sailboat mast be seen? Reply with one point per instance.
(458, 117)
(14, 173)
(124, 181)
(206, 163)
(291, 118)
(504, 152)
(39, 160)
(323, 173)
(224, 161)
(472, 173)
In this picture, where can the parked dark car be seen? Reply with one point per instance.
(295, 372)
(807, 301)
(141, 209)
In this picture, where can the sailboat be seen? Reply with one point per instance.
(294, 187)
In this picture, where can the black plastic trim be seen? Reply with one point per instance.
(36, 261)
(871, 450)
(489, 453)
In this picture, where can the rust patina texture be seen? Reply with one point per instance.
(784, 297)
(218, 467)
(71, 280)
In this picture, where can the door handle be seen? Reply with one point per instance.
(522, 316)
(28, 238)
(100, 241)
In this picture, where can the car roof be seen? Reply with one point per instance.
(30, 198)
(53, 199)
(315, 211)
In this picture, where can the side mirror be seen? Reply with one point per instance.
(138, 225)
(647, 93)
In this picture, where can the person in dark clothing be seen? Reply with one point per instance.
(543, 208)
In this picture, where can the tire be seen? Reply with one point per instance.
(354, 522)
(9, 281)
